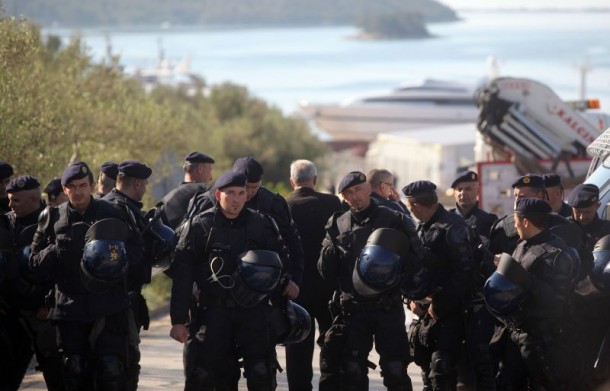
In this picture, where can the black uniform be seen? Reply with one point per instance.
(476, 366)
(539, 348)
(139, 253)
(4, 208)
(92, 328)
(595, 231)
(503, 237)
(176, 202)
(21, 300)
(381, 319)
(593, 312)
(478, 220)
(220, 325)
(138, 274)
(565, 210)
(275, 206)
(437, 343)
(310, 212)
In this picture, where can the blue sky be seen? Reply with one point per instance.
(526, 3)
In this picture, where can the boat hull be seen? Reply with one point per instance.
(364, 122)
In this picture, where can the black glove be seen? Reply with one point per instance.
(140, 309)
(66, 249)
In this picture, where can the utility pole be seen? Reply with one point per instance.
(583, 68)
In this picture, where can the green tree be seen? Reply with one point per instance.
(57, 106)
(251, 128)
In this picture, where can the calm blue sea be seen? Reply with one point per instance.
(287, 65)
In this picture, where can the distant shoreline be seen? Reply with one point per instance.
(376, 37)
(536, 10)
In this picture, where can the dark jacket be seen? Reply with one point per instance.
(4, 208)
(176, 202)
(553, 271)
(273, 205)
(565, 210)
(140, 268)
(310, 211)
(595, 231)
(450, 258)
(503, 236)
(20, 289)
(193, 262)
(56, 253)
(591, 234)
(478, 220)
(343, 243)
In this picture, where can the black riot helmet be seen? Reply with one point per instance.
(160, 239)
(258, 272)
(104, 261)
(291, 323)
(600, 273)
(379, 266)
(507, 288)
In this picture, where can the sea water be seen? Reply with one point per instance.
(326, 64)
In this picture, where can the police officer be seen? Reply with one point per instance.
(106, 179)
(539, 350)
(197, 177)
(379, 318)
(25, 315)
(584, 202)
(554, 190)
(55, 193)
(6, 171)
(503, 237)
(592, 311)
(476, 366)
(465, 192)
(437, 337)
(230, 319)
(262, 200)
(131, 184)
(92, 327)
(310, 211)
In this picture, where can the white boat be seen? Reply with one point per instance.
(168, 74)
(409, 106)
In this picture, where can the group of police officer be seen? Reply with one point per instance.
(71, 275)
(514, 303)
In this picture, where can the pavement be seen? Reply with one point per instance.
(162, 363)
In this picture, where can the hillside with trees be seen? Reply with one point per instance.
(57, 106)
(393, 26)
(78, 13)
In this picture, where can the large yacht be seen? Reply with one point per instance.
(409, 106)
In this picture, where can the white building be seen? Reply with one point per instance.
(433, 154)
